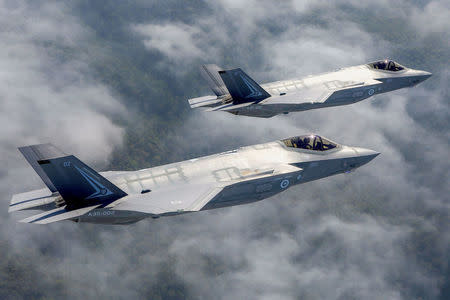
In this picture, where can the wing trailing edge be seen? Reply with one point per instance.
(58, 214)
(37, 199)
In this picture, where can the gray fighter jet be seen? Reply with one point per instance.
(236, 93)
(76, 192)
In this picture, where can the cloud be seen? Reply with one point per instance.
(365, 223)
(174, 40)
(380, 232)
(46, 95)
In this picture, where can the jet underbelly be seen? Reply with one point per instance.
(109, 216)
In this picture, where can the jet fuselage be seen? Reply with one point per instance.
(247, 174)
(77, 192)
(341, 87)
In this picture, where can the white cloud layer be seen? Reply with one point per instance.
(359, 254)
(378, 233)
(45, 93)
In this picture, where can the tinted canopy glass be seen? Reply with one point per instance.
(309, 142)
(387, 65)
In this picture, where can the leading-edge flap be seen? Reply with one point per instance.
(373, 81)
(285, 169)
(57, 214)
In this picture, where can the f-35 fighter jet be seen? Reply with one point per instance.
(237, 93)
(76, 192)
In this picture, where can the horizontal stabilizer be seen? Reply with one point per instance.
(38, 199)
(241, 87)
(205, 101)
(229, 106)
(57, 214)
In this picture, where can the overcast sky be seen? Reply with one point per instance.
(380, 232)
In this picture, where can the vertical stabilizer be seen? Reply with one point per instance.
(241, 87)
(211, 74)
(35, 153)
(79, 185)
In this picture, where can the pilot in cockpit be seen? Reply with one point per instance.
(387, 65)
(310, 142)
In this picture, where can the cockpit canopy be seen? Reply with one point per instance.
(387, 65)
(309, 142)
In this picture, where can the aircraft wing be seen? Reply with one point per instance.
(320, 93)
(189, 197)
(173, 199)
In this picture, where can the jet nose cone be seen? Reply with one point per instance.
(370, 154)
(425, 75)
(365, 156)
(421, 76)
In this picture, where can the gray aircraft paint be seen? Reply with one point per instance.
(240, 176)
(341, 87)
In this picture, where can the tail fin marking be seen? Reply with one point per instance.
(241, 87)
(78, 184)
(35, 153)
